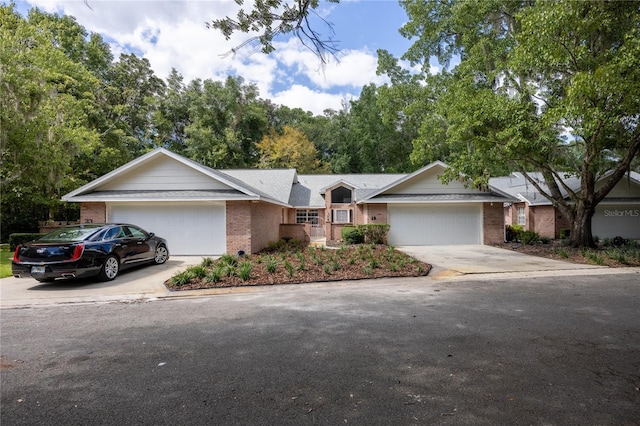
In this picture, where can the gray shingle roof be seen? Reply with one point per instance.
(309, 190)
(176, 195)
(275, 184)
(436, 198)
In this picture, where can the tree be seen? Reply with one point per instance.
(226, 120)
(44, 104)
(541, 86)
(275, 17)
(289, 149)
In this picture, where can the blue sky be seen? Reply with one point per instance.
(173, 34)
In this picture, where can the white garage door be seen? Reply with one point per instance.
(189, 228)
(432, 224)
(616, 220)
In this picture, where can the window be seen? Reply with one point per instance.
(303, 216)
(341, 216)
(341, 195)
(521, 217)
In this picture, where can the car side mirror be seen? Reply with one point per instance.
(151, 234)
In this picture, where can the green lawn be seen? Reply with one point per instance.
(5, 262)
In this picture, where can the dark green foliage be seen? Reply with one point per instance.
(20, 238)
(529, 237)
(374, 233)
(352, 235)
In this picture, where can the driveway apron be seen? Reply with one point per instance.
(454, 260)
(144, 282)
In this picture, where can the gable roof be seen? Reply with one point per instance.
(518, 186)
(277, 186)
(235, 189)
(391, 193)
(309, 190)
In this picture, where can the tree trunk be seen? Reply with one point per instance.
(581, 235)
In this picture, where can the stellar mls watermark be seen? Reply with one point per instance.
(621, 213)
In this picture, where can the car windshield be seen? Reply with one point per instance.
(73, 233)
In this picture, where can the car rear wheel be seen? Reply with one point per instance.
(162, 254)
(110, 269)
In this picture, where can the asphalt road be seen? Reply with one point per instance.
(540, 351)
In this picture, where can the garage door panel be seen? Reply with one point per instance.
(613, 220)
(435, 224)
(190, 229)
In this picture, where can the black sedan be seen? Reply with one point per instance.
(87, 250)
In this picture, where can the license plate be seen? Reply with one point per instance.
(37, 269)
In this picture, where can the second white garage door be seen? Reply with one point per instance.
(189, 228)
(435, 224)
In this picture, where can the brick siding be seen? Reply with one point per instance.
(93, 212)
(265, 225)
(238, 226)
(493, 223)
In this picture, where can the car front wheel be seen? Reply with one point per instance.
(162, 254)
(110, 269)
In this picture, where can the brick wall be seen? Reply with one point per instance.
(297, 231)
(377, 211)
(493, 223)
(238, 226)
(544, 220)
(93, 212)
(265, 225)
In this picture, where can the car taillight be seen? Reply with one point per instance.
(77, 252)
(15, 254)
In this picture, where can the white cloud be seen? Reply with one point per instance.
(298, 96)
(172, 34)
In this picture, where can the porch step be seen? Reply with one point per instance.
(318, 243)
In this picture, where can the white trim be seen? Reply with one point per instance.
(349, 216)
(404, 179)
(147, 157)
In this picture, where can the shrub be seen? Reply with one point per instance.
(352, 235)
(285, 245)
(228, 259)
(618, 255)
(229, 270)
(595, 258)
(562, 253)
(618, 241)
(207, 262)
(215, 275)
(198, 271)
(545, 240)
(529, 237)
(375, 233)
(511, 232)
(271, 265)
(185, 277)
(289, 267)
(244, 270)
(565, 234)
(20, 238)
(182, 278)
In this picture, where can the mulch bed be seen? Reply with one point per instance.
(557, 251)
(320, 265)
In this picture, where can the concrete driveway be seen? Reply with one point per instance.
(456, 260)
(144, 282)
